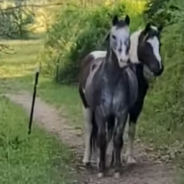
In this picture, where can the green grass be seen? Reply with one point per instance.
(22, 60)
(40, 158)
(18, 69)
(18, 72)
(65, 97)
(37, 159)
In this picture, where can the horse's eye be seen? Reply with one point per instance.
(114, 37)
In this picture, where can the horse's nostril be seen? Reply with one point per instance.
(160, 71)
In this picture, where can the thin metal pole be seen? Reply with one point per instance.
(33, 99)
(57, 70)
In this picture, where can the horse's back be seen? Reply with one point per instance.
(89, 64)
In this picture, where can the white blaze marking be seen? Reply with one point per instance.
(155, 45)
(122, 35)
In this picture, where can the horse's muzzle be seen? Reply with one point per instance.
(159, 72)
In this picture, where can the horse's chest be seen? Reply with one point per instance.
(112, 98)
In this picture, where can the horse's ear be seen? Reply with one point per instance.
(160, 28)
(148, 27)
(127, 20)
(115, 20)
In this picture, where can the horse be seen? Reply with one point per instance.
(145, 53)
(99, 90)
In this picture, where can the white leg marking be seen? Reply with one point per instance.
(87, 133)
(129, 153)
(95, 158)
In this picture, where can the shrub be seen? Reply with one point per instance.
(165, 101)
(77, 32)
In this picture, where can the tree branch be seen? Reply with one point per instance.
(31, 5)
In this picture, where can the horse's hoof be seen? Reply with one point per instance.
(100, 175)
(130, 160)
(93, 161)
(117, 175)
(86, 163)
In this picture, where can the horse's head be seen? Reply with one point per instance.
(119, 39)
(148, 51)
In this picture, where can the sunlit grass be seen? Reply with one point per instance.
(23, 61)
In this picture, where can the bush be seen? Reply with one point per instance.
(77, 32)
(160, 11)
(165, 101)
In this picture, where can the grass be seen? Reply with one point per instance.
(17, 73)
(40, 158)
(37, 159)
(63, 96)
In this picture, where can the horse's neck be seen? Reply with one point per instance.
(111, 64)
(143, 83)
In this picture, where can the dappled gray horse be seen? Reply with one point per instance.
(107, 92)
(145, 52)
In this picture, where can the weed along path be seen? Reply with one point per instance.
(146, 171)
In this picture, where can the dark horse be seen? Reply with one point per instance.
(128, 96)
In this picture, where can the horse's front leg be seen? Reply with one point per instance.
(101, 142)
(87, 131)
(118, 142)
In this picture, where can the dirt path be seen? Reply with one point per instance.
(145, 171)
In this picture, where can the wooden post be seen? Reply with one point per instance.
(33, 99)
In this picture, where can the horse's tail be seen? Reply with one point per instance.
(83, 98)
(94, 132)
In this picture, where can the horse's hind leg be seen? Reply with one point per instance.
(118, 142)
(88, 130)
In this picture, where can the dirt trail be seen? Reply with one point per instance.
(145, 171)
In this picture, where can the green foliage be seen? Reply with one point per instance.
(14, 19)
(77, 32)
(161, 12)
(166, 99)
(156, 10)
